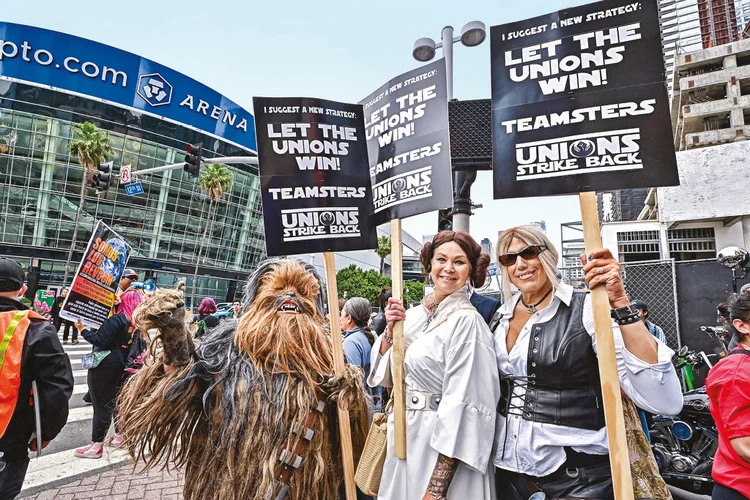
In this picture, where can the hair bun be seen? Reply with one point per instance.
(480, 272)
(425, 257)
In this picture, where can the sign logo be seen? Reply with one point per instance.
(154, 89)
(598, 152)
(403, 188)
(301, 224)
(582, 148)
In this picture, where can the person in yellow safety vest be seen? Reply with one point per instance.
(29, 351)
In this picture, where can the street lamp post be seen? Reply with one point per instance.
(472, 34)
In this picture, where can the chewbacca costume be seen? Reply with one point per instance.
(227, 410)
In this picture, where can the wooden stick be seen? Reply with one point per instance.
(345, 431)
(399, 350)
(619, 459)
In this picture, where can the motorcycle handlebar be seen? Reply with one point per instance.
(679, 366)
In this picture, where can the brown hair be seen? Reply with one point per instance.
(478, 260)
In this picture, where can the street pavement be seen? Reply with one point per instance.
(57, 463)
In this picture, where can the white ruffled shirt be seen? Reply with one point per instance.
(451, 355)
(537, 449)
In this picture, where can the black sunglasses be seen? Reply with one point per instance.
(528, 253)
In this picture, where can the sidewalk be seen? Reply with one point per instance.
(118, 484)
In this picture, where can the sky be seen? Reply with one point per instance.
(338, 50)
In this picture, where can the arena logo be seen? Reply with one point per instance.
(301, 224)
(597, 152)
(402, 188)
(157, 91)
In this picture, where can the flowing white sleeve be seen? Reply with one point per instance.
(471, 389)
(654, 388)
(380, 366)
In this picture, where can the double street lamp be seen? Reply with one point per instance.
(472, 34)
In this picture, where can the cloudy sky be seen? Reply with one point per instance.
(340, 50)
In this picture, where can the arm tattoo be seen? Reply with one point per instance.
(442, 475)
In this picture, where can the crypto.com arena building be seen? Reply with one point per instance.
(50, 81)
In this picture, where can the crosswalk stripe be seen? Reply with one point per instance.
(80, 373)
(80, 389)
(51, 468)
(82, 413)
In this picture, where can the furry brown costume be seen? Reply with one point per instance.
(226, 411)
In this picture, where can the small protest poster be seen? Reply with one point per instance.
(44, 301)
(92, 292)
(315, 183)
(406, 121)
(579, 102)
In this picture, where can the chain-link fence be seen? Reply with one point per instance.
(652, 282)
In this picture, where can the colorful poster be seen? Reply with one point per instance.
(92, 293)
(44, 301)
(579, 102)
(408, 140)
(314, 177)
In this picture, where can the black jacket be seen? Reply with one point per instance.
(45, 361)
(113, 335)
(486, 306)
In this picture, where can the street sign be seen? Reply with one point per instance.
(134, 189)
(125, 174)
(492, 269)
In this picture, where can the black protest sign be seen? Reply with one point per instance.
(409, 144)
(92, 293)
(579, 102)
(314, 178)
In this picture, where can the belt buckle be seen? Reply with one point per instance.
(416, 401)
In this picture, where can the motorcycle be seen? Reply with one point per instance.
(684, 446)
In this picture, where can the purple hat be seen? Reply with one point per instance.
(129, 272)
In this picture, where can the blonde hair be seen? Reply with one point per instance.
(530, 236)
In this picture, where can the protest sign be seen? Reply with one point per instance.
(579, 102)
(408, 140)
(92, 293)
(314, 178)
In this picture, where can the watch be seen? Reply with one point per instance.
(626, 315)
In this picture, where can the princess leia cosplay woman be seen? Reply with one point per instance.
(452, 385)
(550, 431)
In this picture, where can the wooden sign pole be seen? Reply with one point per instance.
(345, 431)
(619, 459)
(399, 349)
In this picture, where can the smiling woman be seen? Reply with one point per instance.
(549, 376)
(452, 383)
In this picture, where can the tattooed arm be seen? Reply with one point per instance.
(442, 475)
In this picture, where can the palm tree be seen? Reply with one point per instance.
(383, 251)
(91, 147)
(214, 181)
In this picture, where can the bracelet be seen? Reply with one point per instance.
(387, 339)
(626, 315)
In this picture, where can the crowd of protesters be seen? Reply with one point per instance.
(503, 396)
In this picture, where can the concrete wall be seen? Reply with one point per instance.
(713, 184)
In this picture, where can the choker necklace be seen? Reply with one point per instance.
(532, 308)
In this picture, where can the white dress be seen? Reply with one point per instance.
(451, 355)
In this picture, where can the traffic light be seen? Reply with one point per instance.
(445, 219)
(103, 178)
(193, 159)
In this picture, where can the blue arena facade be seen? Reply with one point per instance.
(50, 81)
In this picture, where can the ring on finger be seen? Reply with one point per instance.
(601, 270)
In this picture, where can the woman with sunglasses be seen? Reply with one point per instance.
(451, 381)
(550, 433)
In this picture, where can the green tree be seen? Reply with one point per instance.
(214, 181)
(358, 283)
(413, 291)
(91, 147)
(383, 251)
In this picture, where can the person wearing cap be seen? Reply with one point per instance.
(31, 351)
(654, 329)
(127, 279)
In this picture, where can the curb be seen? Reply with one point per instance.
(118, 462)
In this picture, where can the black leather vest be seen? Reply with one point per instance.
(563, 385)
